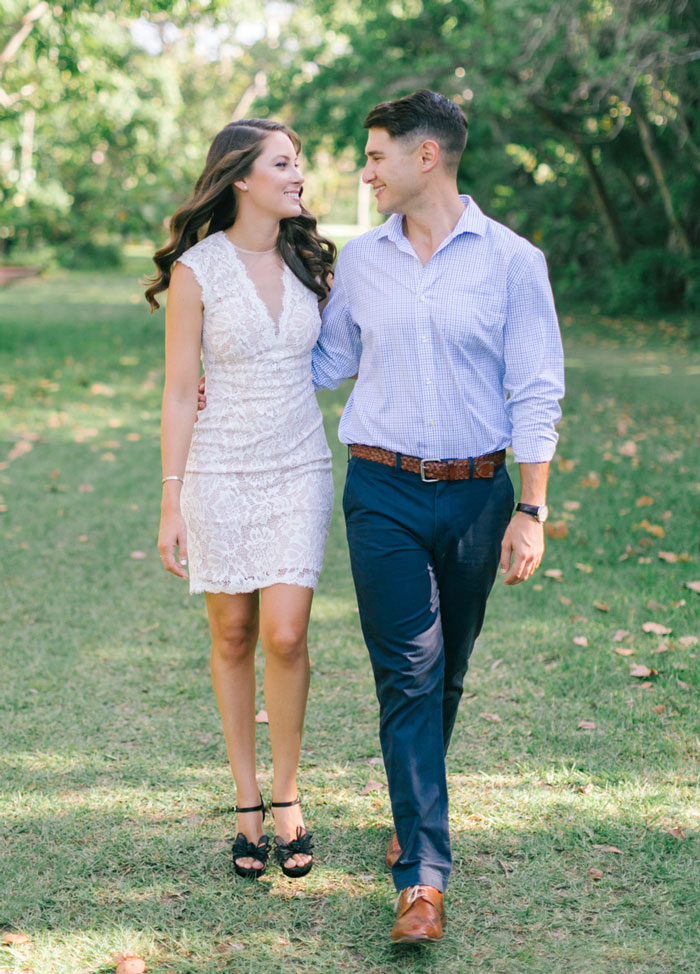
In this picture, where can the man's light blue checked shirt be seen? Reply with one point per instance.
(455, 359)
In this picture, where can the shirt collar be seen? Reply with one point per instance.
(472, 220)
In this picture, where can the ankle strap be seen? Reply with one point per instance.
(296, 801)
(253, 808)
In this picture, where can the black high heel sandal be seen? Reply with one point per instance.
(302, 845)
(243, 849)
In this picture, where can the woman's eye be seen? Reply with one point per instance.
(281, 164)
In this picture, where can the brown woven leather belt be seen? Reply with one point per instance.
(430, 470)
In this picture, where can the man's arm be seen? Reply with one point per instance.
(336, 355)
(534, 383)
(523, 543)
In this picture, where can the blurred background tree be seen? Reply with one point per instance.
(584, 119)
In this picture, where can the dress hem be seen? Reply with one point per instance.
(243, 588)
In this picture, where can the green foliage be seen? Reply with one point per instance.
(583, 118)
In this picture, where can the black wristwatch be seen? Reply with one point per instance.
(540, 513)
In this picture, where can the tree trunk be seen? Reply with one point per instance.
(678, 237)
(602, 198)
(612, 222)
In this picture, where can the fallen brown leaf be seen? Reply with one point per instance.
(667, 556)
(688, 641)
(555, 573)
(565, 600)
(608, 848)
(585, 789)
(641, 671)
(131, 964)
(492, 717)
(584, 568)
(572, 505)
(683, 685)
(580, 640)
(654, 529)
(677, 832)
(556, 529)
(591, 479)
(602, 606)
(644, 500)
(620, 634)
(595, 874)
(624, 651)
(657, 628)
(138, 555)
(693, 586)
(659, 709)
(261, 717)
(99, 389)
(586, 725)
(15, 938)
(628, 449)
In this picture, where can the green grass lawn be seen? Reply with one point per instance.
(116, 802)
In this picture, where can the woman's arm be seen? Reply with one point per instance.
(183, 340)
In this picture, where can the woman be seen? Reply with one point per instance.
(247, 491)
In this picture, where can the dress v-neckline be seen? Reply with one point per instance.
(276, 324)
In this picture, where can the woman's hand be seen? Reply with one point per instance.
(173, 534)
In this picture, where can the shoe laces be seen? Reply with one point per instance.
(413, 893)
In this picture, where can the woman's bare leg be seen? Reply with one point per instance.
(233, 620)
(284, 623)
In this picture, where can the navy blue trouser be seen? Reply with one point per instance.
(424, 557)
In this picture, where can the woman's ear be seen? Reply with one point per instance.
(240, 184)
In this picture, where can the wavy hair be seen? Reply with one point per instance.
(214, 207)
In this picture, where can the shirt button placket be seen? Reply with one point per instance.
(425, 351)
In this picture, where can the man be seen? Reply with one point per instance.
(447, 319)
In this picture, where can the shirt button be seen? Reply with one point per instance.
(425, 340)
(428, 381)
(432, 422)
(422, 297)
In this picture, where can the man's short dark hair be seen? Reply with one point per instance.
(424, 113)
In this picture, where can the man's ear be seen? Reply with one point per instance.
(429, 154)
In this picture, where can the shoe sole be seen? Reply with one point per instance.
(416, 940)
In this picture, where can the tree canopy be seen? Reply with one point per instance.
(584, 116)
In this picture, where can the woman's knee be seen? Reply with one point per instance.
(286, 645)
(234, 643)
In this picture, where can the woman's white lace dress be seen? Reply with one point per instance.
(258, 494)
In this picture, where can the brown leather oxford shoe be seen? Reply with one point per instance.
(393, 852)
(420, 914)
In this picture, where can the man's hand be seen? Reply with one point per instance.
(202, 393)
(521, 549)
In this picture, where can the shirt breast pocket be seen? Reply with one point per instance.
(474, 319)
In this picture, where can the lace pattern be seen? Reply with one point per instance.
(258, 493)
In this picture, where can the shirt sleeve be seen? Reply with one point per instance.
(534, 363)
(336, 355)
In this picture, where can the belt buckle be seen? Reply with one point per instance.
(428, 480)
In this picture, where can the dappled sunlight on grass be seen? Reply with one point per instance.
(118, 801)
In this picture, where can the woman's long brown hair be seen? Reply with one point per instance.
(214, 207)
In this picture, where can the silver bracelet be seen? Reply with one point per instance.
(172, 477)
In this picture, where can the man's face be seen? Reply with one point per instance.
(393, 170)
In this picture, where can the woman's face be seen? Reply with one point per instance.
(274, 183)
